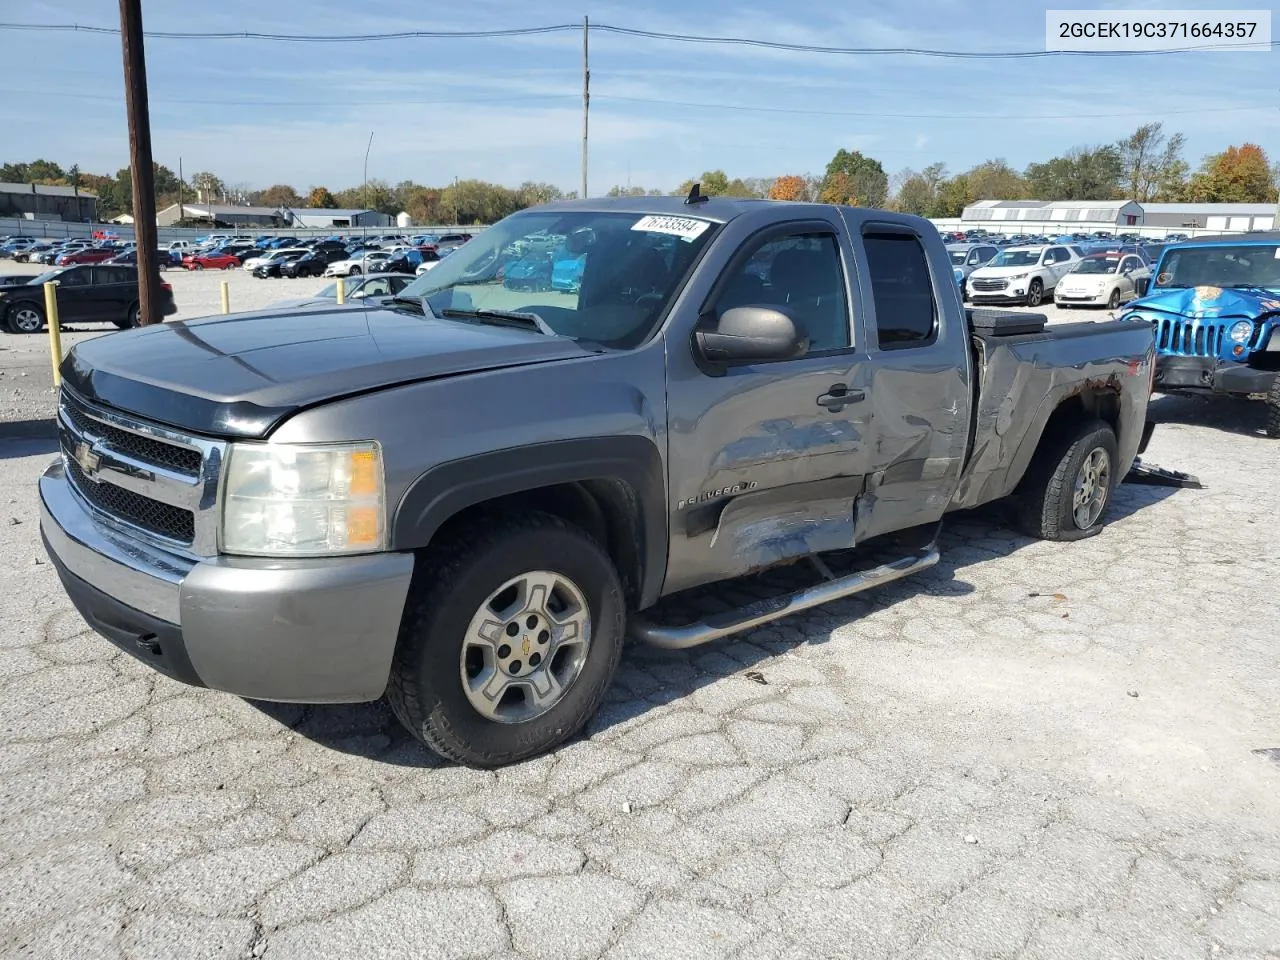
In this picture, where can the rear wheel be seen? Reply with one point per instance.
(25, 318)
(1035, 293)
(509, 646)
(131, 319)
(1068, 487)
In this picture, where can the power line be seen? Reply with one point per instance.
(301, 37)
(1080, 115)
(628, 32)
(399, 101)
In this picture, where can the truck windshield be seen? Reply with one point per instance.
(1016, 258)
(632, 266)
(1252, 265)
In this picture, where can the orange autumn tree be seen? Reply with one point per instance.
(789, 187)
(1236, 175)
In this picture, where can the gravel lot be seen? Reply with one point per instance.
(1033, 751)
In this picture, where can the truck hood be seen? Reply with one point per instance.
(241, 375)
(1212, 302)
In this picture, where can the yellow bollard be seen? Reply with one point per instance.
(342, 290)
(226, 297)
(55, 329)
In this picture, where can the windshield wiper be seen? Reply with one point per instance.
(508, 318)
(413, 302)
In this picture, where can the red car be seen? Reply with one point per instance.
(87, 255)
(211, 261)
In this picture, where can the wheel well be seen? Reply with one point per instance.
(1090, 403)
(608, 510)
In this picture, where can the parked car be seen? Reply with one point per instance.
(211, 261)
(365, 262)
(311, 264)
(16, 245)
(357, 290)
(1176, 237)
(85, 255)
(1103, 280)
(24, 254)
(272, 256)
(86, 293)
(1021, 274)
(1214, 307)
(533, 273)
(483, 565)
(129, 258)
(272, 266)
(968, 257)
(566, 272)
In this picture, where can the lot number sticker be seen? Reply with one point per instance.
(686, 228)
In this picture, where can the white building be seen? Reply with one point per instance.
(308, 217)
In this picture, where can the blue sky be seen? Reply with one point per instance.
(508, 110)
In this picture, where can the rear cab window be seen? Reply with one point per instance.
(906, 313)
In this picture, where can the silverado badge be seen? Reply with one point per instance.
(86, 459)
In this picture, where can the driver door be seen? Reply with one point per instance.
(766, 460)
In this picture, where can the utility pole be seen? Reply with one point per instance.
(586, 102)
(140, 164)
(181, 185)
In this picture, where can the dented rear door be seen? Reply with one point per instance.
(919, 374)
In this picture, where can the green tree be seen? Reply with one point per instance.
(1083, 173)
(712, 183)
(1236, 175)
(321, 199)
(1151, 163)
(530, 194)
(855, 179)
(39, 171)
(279, 195)
(208, 186)
(918, 192)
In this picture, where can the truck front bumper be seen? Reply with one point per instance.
(1197, 374)
(308, 630)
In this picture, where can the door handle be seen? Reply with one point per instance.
(839, 395)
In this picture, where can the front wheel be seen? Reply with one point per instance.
(509, 642)
(197, 266)
(25, 318)
(1068, 486)
(1035, 293)
(1113, 302)
(353, 272)
(1273, 409)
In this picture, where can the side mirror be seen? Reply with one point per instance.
(753, 334)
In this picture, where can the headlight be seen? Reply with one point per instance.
(1240, 331)
(1019, 276)
(303, 499)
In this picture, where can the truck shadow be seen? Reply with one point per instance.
(28, 438)
(1233, 414)
(649, 678)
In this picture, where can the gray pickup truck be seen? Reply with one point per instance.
(467, 497)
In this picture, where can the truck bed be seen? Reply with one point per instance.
(1022, 375)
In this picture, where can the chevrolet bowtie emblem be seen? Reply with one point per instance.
(87, 459)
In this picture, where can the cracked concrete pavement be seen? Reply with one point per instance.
(1033, 751)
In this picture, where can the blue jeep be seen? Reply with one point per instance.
(1215, 307)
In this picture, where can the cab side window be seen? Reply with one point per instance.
(801, 273)
(902, 289)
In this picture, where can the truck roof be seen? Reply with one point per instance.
(1261, 238)
(717, 209)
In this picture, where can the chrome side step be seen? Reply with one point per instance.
(764, 611)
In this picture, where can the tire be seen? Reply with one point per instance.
(1035, 293)
(1113, 301)
(353, 272)
(131, 319)
(197, 266)
(1047, 505)
(1273, 409)
(25, 318)
(464, 579)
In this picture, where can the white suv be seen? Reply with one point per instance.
(1022, 274)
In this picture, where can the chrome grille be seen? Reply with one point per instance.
(989, 285)
(156, 483)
